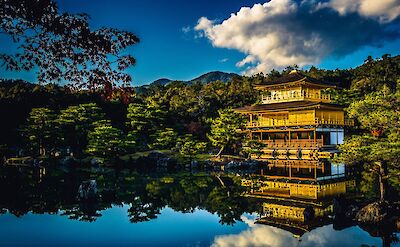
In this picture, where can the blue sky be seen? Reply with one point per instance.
(166, 50)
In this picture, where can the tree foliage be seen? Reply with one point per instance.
(188, 145)
(77, 121)
(377, 148)
(254, 147)
(144, 121)
(40, 130)
(225, 129)
(164, 139)
(106, 141)
(62, 46)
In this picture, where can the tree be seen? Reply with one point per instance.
(62, 46)
(77, 121)
(144, 120)
(106, 141)
(378, 148)
(188, 145)
(254, 147)
(40, 129)
(225, 129)
(164, 139)
(376, 73)
(138, 117)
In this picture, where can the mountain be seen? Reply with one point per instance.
(161, 82)
(204, 79)
(214, 76)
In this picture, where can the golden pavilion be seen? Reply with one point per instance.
(296, 119)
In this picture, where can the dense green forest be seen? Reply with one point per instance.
(158, 116)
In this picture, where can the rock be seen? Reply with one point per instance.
(194, 164)
(163, 162)
(88, 190)
(232, 165)
(373, 213)
(68, 160)
(351, 211)
(345, 208)
(160, 160)
(155, 155)
(95, 162)
(309, 213)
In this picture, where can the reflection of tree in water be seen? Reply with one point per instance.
(140, 211)
(87, 212)
(386, 233)
(146, 193)
(3, 211)
(228, 204)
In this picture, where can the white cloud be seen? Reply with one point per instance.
(186, 29)
(223, 60)
(258, 235)
(383, 10)
(280, 33)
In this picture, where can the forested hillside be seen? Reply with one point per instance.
(187, 108)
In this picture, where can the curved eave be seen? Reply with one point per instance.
(302, 81)
(285, 107)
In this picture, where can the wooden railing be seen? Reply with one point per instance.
(293, 143)
(287, 97)
(286, 122)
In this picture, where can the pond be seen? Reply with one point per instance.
(154, 209)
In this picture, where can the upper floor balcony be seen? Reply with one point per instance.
(300, 122)
(298, 95)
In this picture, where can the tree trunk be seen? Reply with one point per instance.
(382, 188)
(382, 173)
(41, 148)
(220, 152)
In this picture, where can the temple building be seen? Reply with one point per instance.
(296, 119)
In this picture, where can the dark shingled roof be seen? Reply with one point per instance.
(283, 106)
(296, 76)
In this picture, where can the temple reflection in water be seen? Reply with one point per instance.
(297, 195)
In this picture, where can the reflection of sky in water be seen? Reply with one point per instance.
(169, 229)
(114, 229)
(263, 235)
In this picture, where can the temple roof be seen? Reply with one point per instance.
(286, 106)
(295, 76)
(297, 228)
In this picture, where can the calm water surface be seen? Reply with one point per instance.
(180, 209)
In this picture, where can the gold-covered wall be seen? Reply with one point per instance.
(302, 117)
(296, 190)
(313, 117)
(293, 212)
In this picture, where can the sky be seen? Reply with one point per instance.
(181, 40)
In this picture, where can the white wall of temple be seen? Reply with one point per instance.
(336, 135)
(337, 171)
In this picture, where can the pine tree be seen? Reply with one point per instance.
(225, 130)
(106, 141)
(40, 130)
(77, 121)
(378, 148)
